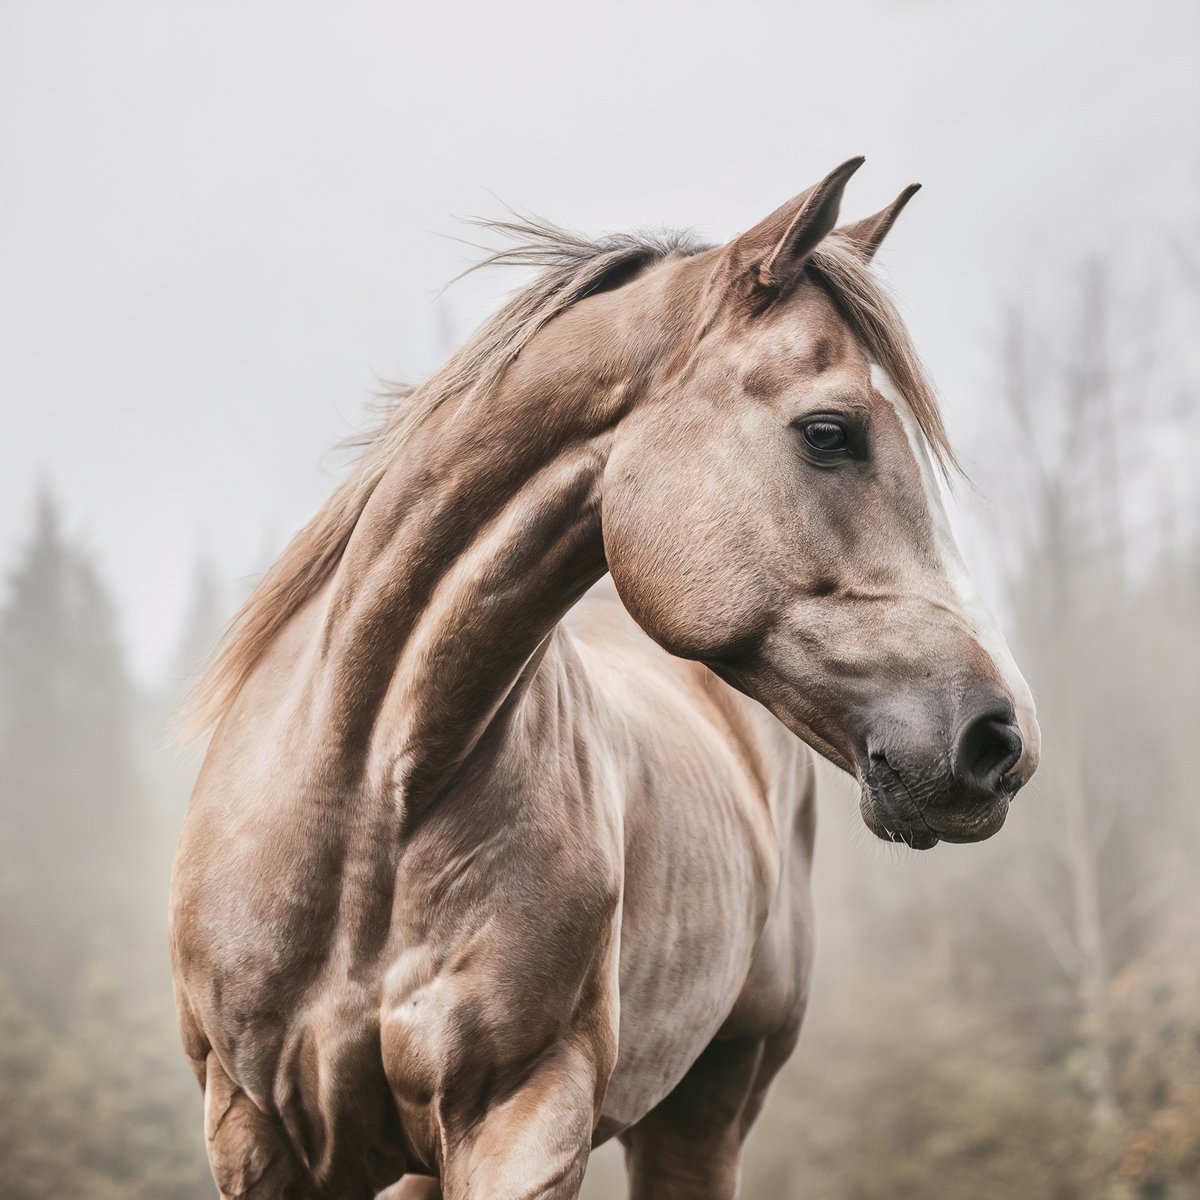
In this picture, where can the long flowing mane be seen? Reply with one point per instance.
(569, 268)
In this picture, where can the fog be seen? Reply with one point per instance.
(221, 224)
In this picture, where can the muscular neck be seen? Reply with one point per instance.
(479, 537)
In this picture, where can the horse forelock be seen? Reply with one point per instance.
(872, 314)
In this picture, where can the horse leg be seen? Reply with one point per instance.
(689, 1146)
(248, 1153)
(532, 1140)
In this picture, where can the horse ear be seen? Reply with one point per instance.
(772, 254)
(866, 235)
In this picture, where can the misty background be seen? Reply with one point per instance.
(222, 225)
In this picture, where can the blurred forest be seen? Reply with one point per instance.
(1018, 1019)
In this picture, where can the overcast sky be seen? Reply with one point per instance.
(220, 223)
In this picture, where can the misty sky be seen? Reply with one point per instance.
(221, 223)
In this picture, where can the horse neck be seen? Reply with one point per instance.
(480, 536)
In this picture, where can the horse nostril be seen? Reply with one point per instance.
(987, 750)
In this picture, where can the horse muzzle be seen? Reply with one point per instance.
(965, 800)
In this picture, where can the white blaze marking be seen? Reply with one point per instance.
(975, 612)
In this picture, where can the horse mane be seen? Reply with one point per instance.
(569, 268)
(871, 313)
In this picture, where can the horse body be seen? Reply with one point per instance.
(631, 795)
(477, 874)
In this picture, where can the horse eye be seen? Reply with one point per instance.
(827, 437)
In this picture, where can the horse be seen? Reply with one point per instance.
(501, 846)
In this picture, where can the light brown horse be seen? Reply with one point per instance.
(478, 875)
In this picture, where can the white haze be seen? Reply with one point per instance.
(221, 223)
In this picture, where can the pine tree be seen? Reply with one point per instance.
(172, 768)
(202, 626)
(76, 833)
